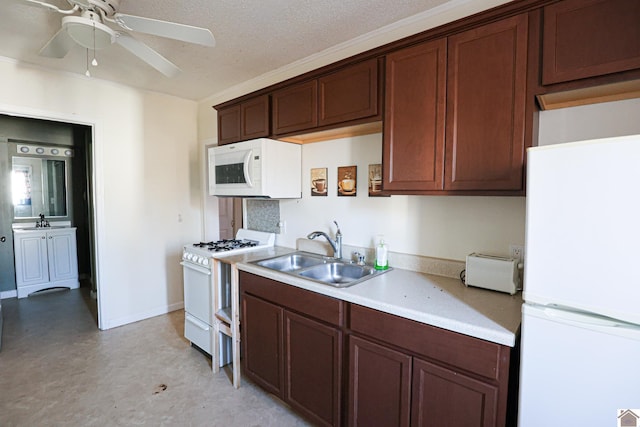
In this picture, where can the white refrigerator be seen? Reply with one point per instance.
(580, 355)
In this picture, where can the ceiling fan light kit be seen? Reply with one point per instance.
(88, 32)
(88, 29)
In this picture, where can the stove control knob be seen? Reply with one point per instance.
(205, 261)
(189, 256)
(197, 259)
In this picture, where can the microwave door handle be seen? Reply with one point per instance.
(247, 176)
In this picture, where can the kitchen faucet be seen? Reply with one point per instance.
(335, 245)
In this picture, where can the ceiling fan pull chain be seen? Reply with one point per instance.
(87, 73)
(95, 61)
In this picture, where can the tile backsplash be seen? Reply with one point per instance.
(263, 215)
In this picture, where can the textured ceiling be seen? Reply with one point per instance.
(253, 37)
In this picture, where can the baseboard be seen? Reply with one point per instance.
(121, 321)
(8, 294)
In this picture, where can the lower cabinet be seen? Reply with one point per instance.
(45, 259)
(296, 357)
(397, 372)
(446, 397)
(379, 385)
(410, 374)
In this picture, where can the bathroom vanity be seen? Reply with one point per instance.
(45, 257)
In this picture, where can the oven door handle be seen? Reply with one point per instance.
(196, 268)
(196, 322)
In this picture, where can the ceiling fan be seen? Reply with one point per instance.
(85, 24)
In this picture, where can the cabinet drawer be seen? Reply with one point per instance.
(468, 353)
(321, 307)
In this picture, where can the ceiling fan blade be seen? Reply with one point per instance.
(40, 4)
(171, 30)
(59, 45)
(48, 6)
(148, 55)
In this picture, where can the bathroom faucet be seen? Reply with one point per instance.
(335, 245)
(42, 222)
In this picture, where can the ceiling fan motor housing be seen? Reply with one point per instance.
(109, 7)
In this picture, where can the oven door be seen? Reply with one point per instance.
(198, 285)
(231, 170)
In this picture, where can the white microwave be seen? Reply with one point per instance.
(257, 168)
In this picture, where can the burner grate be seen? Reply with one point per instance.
(227, 244)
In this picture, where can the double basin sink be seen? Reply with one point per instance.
(322, 269)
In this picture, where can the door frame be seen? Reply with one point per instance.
(96, 180)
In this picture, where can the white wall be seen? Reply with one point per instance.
(148, 201)
(447, 227)
(601, 120)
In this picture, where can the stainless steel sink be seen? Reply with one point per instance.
(325, 270)
(338, 273)
(291, 262)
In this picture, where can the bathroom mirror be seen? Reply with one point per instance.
(39, 185)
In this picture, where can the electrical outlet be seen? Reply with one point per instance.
(516, 251)
(282, 225)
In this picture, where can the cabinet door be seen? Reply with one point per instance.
(254, 118)
(379, 385)
(349, 94)
(442, 397)
(585, 38)
(262, 344)
(295, 108)
(63, 259)
(32, 266)
(312, 369)
(486, 95)
(415, 90)
(229, 128)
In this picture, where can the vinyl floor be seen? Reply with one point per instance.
(58, 369)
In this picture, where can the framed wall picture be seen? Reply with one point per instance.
(375, 180)
(347, 181)
(318, 181)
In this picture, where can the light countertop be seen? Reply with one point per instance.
(434, 300)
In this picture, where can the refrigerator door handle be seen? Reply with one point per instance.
(592, 321)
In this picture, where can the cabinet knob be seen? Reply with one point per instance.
(43, 237)
(3, 239)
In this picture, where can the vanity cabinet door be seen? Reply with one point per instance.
(32, 265)
(62, 255)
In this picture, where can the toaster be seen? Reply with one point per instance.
(493, 272)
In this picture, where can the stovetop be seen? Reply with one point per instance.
(226, 245)
(246, 240)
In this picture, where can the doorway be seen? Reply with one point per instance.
(16, 130)
(230, 216)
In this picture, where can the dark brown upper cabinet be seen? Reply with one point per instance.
(340, 98)
(455, 112)
(588, 38)
(243, 121)
(349, 94)
(414, 119)
(486, 100)
(295, 108)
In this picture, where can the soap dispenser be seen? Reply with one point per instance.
(382, 260)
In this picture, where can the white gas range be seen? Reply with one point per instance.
(211, 298)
